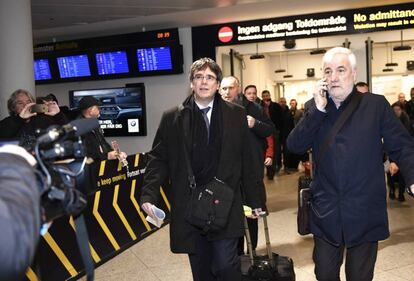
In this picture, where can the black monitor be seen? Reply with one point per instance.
(154, 59)
(123, 111)
(73, 66)
(42, 69)
(110, 63)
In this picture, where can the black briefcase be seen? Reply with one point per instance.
(269, 267)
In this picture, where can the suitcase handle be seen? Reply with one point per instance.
(249, 241)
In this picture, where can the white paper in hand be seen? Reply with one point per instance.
(159, 217)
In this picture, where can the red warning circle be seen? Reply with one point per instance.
(225, 34)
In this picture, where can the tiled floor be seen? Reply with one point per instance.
(151, 259)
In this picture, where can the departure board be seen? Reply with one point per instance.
(112, 63)
(73, 66)
(42, 70)
(154, 59)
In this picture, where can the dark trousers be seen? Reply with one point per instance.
(253, 230)
(215, 260)
(359, 264)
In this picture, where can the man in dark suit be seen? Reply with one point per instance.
(349, 208)
(274, 111)
(215, 135)
(97, 147)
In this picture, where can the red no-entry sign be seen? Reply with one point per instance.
(225, 34)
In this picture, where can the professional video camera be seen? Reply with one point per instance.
(61, 159)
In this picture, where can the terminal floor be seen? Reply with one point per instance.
(151, 259)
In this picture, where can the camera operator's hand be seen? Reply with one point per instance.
(26, 111)
(148, 208)
(52, 108)
(319, 94)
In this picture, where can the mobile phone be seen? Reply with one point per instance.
(39, 108)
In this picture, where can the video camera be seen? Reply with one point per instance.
(61, 158)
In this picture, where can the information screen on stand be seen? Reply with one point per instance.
(112, 63)
(73, 66)
(153, 59)
(42, 69)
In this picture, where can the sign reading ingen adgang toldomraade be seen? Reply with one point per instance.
(316, 25)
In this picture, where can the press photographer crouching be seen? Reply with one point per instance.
(38, 187)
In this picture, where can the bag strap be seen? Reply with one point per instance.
(191, 177)
(343, 117)
(83, 244)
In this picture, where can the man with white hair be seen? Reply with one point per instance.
(348, 203)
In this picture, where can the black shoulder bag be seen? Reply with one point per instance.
(210, 204)
(304, 194)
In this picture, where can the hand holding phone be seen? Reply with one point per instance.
(39, 108)
(26, 112)
(320, 94)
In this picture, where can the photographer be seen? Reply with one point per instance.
(19, 212)
(23, 122)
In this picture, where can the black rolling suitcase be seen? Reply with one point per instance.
(304, 197)
(270, 267)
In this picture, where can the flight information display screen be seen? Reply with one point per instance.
(73, 66)
(112, 63)
(154, 59)
(42, 69)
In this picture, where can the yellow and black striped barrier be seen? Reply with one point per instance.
(113, 218)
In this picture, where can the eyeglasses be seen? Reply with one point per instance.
(200, 77)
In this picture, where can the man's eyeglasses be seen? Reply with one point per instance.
(200, 77)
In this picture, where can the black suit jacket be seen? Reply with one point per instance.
(166, 163)
(275, 114)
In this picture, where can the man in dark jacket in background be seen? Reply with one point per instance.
(348, 202)
(215, 135)
(260, 127)
(274, 111)
(97, 147)
(19, 212)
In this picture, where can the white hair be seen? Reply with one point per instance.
(340, 50)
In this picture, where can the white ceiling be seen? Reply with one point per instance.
(68, 19)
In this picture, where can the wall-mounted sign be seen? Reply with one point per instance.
(206, 38)
(225, 34)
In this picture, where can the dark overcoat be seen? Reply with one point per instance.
(166, 162)
(348, 191)
(263, 127)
